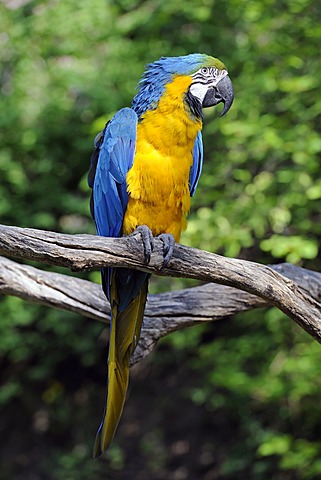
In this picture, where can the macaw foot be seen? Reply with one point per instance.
(168, 247)
(148, 241)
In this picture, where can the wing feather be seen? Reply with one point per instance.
(110, 162)
(196, 168)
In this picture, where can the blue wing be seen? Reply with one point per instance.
(113, 157)
(196, 168)
(110, 162)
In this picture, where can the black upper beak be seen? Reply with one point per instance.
(223, 92)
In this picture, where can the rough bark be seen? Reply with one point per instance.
(296, 292)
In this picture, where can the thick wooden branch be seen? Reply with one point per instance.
(80, 252)
(165, 312)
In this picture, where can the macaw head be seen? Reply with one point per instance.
(208, 83)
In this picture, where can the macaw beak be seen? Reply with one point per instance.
(222, 92)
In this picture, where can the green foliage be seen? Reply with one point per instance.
(235, 399)
(263, 376)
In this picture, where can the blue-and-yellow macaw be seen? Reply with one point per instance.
(144, 170)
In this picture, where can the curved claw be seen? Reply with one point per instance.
(168, 247)
(148, 241)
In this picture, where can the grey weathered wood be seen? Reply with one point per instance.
(165, 312)
(87, 251)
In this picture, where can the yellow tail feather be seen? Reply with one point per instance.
(124, 335)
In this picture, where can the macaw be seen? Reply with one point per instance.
(144, 170)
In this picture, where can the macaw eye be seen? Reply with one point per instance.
(204, 70)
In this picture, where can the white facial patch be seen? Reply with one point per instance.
(198, 90)
(205, 78)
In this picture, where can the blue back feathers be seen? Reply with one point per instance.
(158, 74)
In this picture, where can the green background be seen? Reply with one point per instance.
(233, 399)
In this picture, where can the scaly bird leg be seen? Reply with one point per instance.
(148, 241)
(168, 247)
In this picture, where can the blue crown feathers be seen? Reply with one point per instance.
(158, 74)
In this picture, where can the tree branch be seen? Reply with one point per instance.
(166, 312)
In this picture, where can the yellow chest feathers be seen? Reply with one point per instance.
(158, 181)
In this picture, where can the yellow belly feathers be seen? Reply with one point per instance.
(158, 187)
